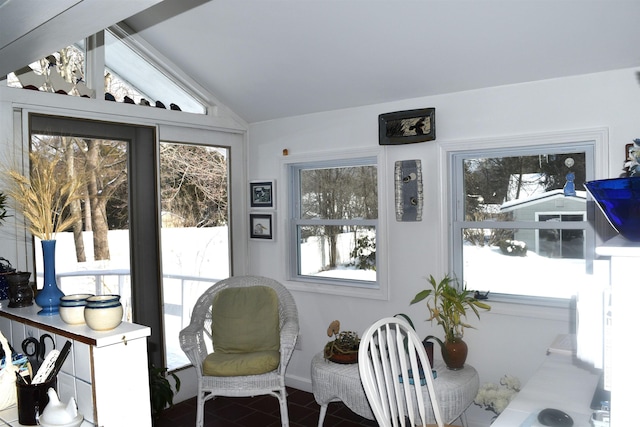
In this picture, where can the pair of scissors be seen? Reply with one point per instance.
(36, 351)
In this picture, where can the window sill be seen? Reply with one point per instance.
(534, 308)
(319, 287)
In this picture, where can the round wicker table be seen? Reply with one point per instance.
(334, 382)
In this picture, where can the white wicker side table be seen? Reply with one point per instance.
(333, 382)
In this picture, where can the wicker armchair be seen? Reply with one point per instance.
(195, 338)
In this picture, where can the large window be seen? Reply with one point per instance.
(334, 222)
(520, 219)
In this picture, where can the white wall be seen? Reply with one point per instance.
(511, 339)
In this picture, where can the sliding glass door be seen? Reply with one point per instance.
(154, 221)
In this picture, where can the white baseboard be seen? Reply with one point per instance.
(299, 383)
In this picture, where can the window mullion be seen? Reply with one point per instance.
(94, 63)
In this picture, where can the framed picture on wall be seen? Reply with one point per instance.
(407, 127)
(262, 194)
(261, 226)
(627, 151)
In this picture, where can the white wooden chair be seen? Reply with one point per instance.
(390, 355)
(196, 339)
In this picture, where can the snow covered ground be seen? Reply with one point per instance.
(487, 269)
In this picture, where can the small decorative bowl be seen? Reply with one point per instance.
(103, 312)
(72, 308)
(619, 200)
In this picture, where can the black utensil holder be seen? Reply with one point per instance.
(32, 399)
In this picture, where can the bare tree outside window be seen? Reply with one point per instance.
(194, 184)
(335, 224)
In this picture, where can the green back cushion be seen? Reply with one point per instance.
(245, 320)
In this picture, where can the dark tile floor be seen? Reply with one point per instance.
(261, 411)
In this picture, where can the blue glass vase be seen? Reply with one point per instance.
(48, 298)
(619, 200)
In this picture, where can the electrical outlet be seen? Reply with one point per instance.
(299, 343)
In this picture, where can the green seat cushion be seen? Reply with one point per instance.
(232, 365)
(245, 320)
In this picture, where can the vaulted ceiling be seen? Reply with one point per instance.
(266, 59)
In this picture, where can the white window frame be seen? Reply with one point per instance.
(568, 140)
(192, 92)
(335, 286)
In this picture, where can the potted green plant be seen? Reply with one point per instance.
(448, 304)
(160, 389)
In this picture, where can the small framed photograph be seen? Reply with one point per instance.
(627, 150)
(261, 226)
(407, 127)
(262, 194)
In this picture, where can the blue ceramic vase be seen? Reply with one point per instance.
(48, 298)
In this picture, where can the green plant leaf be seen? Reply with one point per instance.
(448, 304)
(160, 388)
(421, 295)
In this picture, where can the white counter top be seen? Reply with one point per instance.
(124, 332)
(560, 383)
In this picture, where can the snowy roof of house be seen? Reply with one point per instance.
(541, 198)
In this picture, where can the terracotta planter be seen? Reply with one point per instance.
(338, 355)
(345, 358)
(454, 353)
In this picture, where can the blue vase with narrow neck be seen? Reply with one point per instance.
(48, 298)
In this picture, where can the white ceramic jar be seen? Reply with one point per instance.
(72, 308)
(103, 312)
